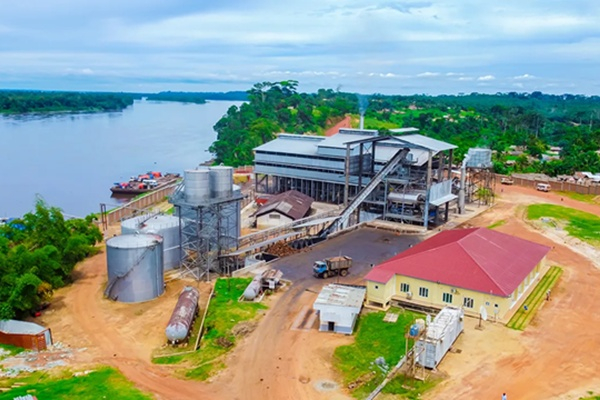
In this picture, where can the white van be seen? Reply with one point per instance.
(543, 187)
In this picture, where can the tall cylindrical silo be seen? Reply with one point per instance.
(166, 226)
(135, 267)
(221, 181)
(197, 185)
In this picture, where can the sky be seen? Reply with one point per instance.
(390, 47)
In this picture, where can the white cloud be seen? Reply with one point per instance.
(486, 78)
(428, 74)
(523, 77)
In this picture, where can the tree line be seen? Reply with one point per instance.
(21, 102)
(533, 121)
(37, 255)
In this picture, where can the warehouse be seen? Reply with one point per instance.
(469, 268)
(282, 209)
(25, 334)
(334, 169)
(338, 307)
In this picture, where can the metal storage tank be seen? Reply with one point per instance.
(439, 336)
(183, 315)
(479, 158)
(135, 267)
(197, 186)
(221, 182)
(166, 226)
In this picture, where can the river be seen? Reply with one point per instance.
(72, 160)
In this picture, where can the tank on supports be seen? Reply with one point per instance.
(135, 268)
(197, 185)
(221, 181)
(183, 315)
(209, 211)
(166, 226)
(479, 158)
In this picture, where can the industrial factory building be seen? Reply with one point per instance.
(467, 268)
(282, 209)
(334, 169)
(338, 307)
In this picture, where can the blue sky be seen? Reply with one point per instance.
(403, 47)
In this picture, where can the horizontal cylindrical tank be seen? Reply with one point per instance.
(479, 158)
(253, 288)
(166, 226)
(135, 267)
(221, 181)
(183, 315)
(197, 185)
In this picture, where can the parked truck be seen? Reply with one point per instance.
(332, 266)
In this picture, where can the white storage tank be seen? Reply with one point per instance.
(135, 267)
(166, 226)
(221, 182)
(197, 185)
(441, 334)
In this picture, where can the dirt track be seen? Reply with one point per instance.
(558, 352)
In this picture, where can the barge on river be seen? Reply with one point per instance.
(144, 183)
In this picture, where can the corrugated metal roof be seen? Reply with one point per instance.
(20, 327)
(430, 143)
(478, 259)
(443, 199)
(291, 203)
(293, 144)
(340, 295)
(404, 130)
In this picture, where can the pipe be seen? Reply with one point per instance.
(461, 190)
(362, 122)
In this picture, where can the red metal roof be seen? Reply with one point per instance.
(478, 259)
(291, 203)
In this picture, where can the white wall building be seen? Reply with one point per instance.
(338, 307)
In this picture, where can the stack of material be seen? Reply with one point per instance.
(280, 249)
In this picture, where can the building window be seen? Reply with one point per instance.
(468, 302)
(274, 216)
(404, 287)
(447, 297)
(423, 292)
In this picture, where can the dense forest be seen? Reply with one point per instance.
(197, 97)
(37, 255)
(20, 101)
(505, 122)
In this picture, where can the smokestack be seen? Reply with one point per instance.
(463, 180)
(362, 122)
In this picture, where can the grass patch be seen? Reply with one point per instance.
(585, 198)
(104, 383)
(374, 338)
(497, 224)
(224, 313)
(580, 224)
(522, 318)
(11, 350)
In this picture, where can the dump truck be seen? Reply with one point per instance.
(332, 266)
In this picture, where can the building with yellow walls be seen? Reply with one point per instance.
(466, 268)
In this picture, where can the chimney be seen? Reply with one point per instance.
(463, 182)
(362, 122)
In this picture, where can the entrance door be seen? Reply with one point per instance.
(331, 326)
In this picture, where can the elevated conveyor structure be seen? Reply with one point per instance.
(342, 220)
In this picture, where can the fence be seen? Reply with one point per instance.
(555, 184)
(133, 207)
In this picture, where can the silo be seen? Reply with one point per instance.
(221, 181)
(197, 185)
(135, 267)
(166, 226)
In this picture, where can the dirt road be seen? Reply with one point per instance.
(345, 123)
(559, 351)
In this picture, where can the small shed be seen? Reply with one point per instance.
(282, 209)
(25, 334)
(338, 307)
(440, 335)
